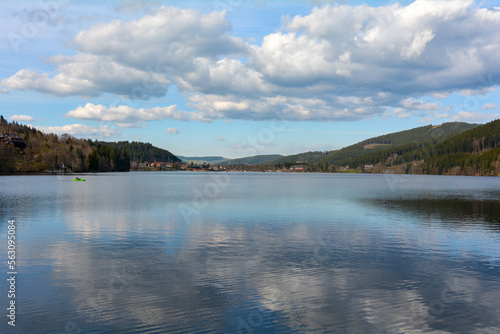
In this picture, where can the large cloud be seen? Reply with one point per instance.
(423, 48)
(81, 130)
(466, 116)
(134, 59)
(124, 114)
(90, 75)
(170, 37)
(336, 63)
(283, 108)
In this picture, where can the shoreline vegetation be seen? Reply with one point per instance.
(447, 149)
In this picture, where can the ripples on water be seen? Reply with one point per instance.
(261, 253)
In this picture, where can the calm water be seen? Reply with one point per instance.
(253, 253)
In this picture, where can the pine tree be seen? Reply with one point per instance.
(93, 161)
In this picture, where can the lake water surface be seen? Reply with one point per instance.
(188, 252)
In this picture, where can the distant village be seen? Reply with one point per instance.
(171, 166)
(280, 168)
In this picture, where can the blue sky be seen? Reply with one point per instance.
(237, 78)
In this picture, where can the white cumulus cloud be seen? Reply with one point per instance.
(127, 115)
(81, 130)
(467, 116)
(134, 59)
(418, 45)
(489, 106)
(22, 118)
(173, 131)
(90, 75)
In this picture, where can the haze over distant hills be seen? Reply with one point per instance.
(218, 160)
(253, 160)
(201, 160)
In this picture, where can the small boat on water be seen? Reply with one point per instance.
(78, 179)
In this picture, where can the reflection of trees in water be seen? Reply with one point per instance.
(457, 211)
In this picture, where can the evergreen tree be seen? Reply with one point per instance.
(93, 161)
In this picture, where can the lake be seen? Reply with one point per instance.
(189, 252)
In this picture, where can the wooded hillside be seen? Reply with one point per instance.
(422, 135)
(473, 152)
(50, 152)
(142, 152)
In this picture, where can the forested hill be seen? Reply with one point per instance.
(473, 152)
(50, 152)
(423, 135)
(302, 157)
(142, 152)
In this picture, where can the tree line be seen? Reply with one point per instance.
(143, 152)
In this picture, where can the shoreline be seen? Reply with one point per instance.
(227, 171)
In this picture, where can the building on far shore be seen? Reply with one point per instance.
(13, 139)
(162, 165)
(299, 168)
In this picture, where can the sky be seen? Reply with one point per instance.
(237, 78)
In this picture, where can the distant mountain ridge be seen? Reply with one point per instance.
(253, 160)
(218, 160)
(302, 157)
(200, 160)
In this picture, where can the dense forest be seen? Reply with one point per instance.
(143, 152)
(471, 153)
